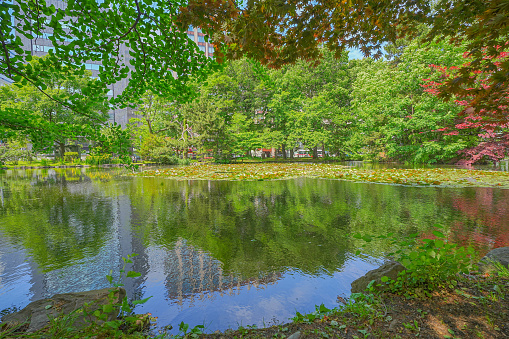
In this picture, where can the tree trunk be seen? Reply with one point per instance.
(291, 153)
(283, 149)
(315, 152)
(61, 146)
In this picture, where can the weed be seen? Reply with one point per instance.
(319, 313)
(414, 327)
(499, 268)
(452, 336)
(194, 333)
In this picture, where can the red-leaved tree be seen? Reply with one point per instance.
(486, 109)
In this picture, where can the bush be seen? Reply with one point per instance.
(430, 263)
(71, 156)
(98, 159)
(166, 156)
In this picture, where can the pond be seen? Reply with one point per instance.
(218, 253)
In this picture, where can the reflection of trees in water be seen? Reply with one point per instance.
(303, 223)
(55, 215)
(192, 273)
(482, 217)
(248, 227)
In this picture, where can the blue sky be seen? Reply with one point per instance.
(354, 53)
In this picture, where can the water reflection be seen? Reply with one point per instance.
(223, 253)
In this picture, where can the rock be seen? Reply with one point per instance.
(500, 255)
(36, 313)
(296, 335)
(390, 269)
(393, 325)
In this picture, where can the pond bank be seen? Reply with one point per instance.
(476, 308)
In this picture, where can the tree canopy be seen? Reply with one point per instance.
(146, 40)
(279, 32)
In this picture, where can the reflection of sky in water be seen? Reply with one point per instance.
(247, 304)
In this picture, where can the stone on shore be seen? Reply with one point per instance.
(36, 313)
(390, 269)
(498, 255)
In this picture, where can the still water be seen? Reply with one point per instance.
(217, 253)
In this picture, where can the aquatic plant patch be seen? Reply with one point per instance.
(441, 177)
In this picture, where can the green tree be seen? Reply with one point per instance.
(28, 103)
(307, 98)
(396, 118)
(90, 30)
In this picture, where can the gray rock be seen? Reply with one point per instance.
(390, 269)
(500, 255)
(37, 313)
(296, 335)
(392, 326)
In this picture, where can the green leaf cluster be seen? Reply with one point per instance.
(430, 263)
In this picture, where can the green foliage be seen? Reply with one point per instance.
(396, 119)
(193, 333)
(360, 109)
(499, 268)
(319, 313)
(430, 264)
(45, 116)
(98, 159)
(71, 156)
(123, 309)
(13, 152)
(364, 305)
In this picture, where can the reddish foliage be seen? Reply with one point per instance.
(486, 107)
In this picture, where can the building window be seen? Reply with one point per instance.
(40, 48)
(92, 67)
(191, 28)
(190, 36)
(49, 35)
(202, 48)
(201, 38)
(211, 50)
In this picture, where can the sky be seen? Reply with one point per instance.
(354, 53)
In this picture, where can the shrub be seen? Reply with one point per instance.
(71, 156)
(430, 263)
(166, 156)
(98, 159)
(14, 155)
